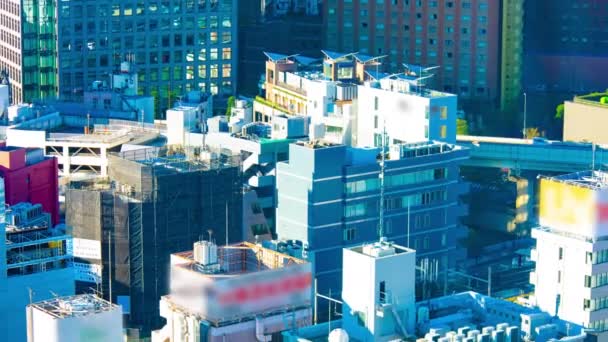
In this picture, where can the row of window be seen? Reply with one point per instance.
(396, 180)
(597, 280)
(598, 257)
(154, 7)
(426, 198)
(419, 3)
(601, 325)
(142, 25)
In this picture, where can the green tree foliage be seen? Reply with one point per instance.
(462, 127)
(559, 111)
(230, 105)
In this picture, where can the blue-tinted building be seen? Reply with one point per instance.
(329, 198)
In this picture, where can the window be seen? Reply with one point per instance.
(382, 292)
(354, 210)
(362, 185)
(376, 104)
(426, 243)
(443, 112)
(444, 240)
(561, 253)
(444, 131)
(349, 234)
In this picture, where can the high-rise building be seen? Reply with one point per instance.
(177, 46)
(329, 198)
(159, 201)
(28, 41)
(567, 53)
(464, 38)
(296, 26)
(571, 280)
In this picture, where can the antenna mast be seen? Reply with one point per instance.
(382, 169)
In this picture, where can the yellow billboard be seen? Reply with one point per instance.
(566, 206)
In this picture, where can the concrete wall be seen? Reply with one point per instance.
(99, 327)
(565, 277)
(36, 183)
(361, 293)
(585, 122)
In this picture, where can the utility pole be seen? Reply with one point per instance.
(525, 114)
(110, 265)
(382, 163)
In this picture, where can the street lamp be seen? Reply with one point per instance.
(525, 114)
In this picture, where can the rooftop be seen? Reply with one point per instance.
(74, 306)
(179, 159)
(595, 99)
(317, 144)
(381, 249)
(238, 259)
(595, 180)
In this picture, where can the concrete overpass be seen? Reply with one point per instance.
(533, 154)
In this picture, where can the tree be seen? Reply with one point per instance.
(231, 101)
(559, 111)
(462, 127)
(532, 133)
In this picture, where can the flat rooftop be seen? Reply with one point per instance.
(179, 159)
(381, 249)
(595, 180)
(239, 259)
(74, 306)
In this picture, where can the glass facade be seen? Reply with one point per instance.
(28, 48)
(39, 49)
(177, 46)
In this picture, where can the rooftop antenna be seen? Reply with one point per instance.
(381, 176)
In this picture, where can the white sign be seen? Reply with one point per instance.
(90, 273)
(87, 249)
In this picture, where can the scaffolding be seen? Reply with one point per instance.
(155, 201)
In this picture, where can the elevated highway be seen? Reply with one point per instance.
(533, 154)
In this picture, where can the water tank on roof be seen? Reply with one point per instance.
(338, 335)
(205, 252)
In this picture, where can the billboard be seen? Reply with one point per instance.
(223, 296)
(573, 208)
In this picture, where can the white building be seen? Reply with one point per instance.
(379, 292)
(408, 115)
(571, 276)
(78, 149)
(74, 319)
(180, 122)
(241, 292)
(350, 103)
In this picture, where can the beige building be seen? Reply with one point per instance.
(586, 118)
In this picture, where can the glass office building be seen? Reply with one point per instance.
(177, 45)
